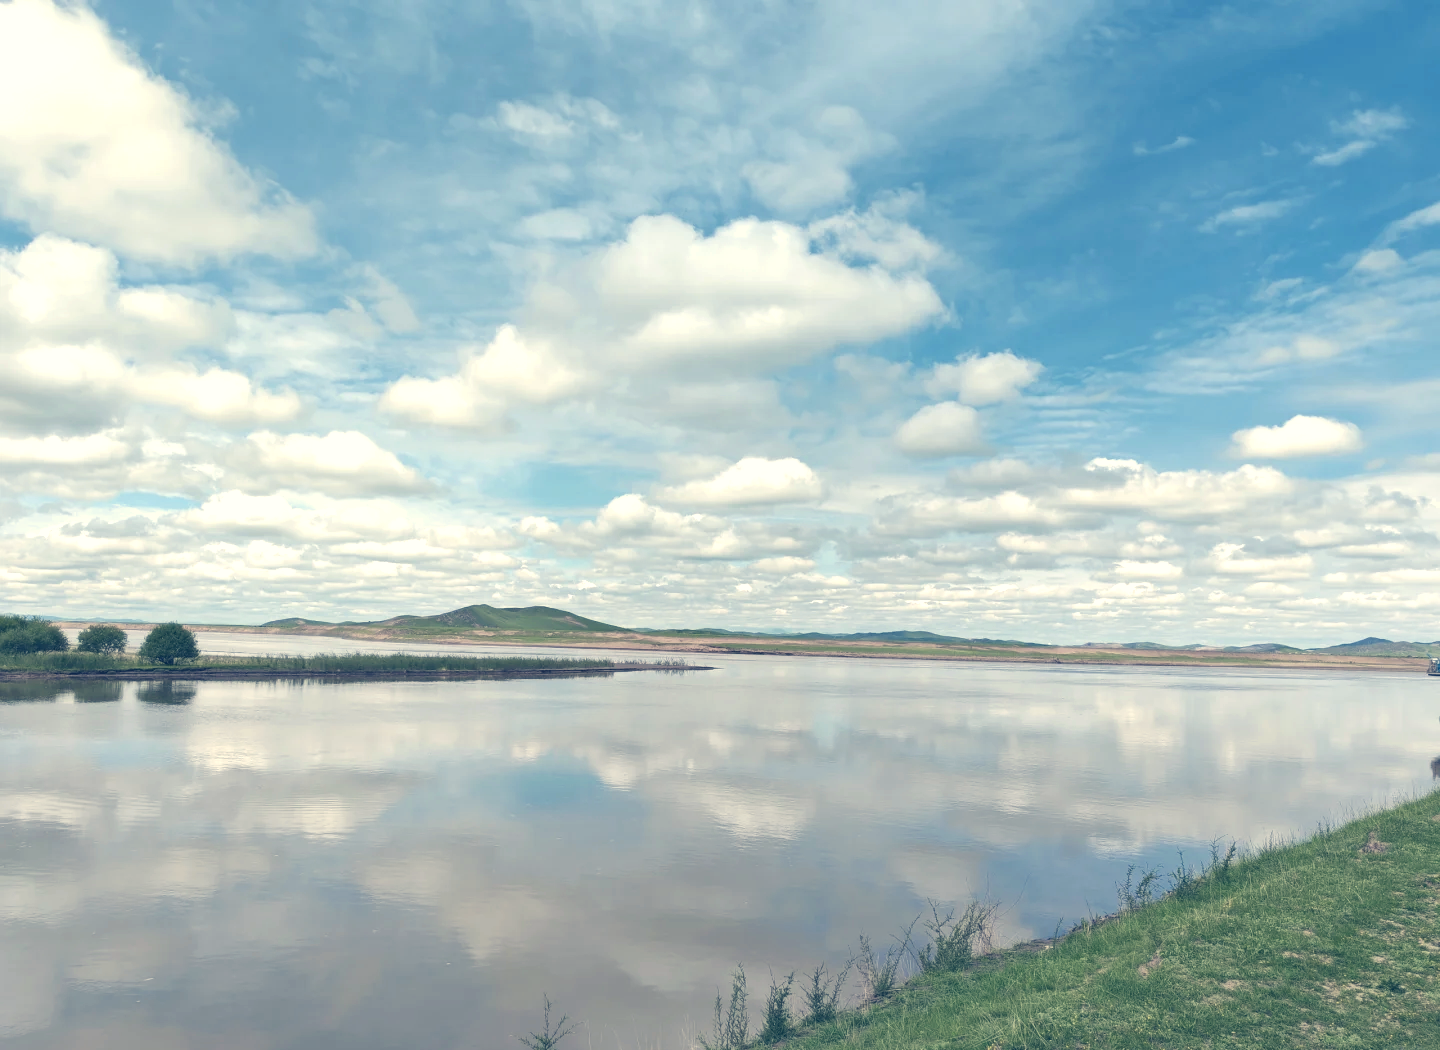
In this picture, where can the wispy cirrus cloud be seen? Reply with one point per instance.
(1365, 129)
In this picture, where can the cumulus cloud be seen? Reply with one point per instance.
(753, 481)
(1365, 129)
(629, 525)
(984, 380)
(933, 515)
(753, 292)
(946, 429)
(1297, 436)
(78, 348)
(340, 463)
(1231, 559)
(510, 369)
(1174, 495)
(106, 151)
(55, 451)
(670, 301)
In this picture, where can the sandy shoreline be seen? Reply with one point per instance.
(759, 645)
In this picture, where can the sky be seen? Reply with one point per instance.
(1062, 320)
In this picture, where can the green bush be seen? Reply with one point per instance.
(30, 634)
(167, 643)
(102, 638)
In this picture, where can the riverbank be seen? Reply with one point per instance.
(1332, 941)
(761, 645)
(352, 666)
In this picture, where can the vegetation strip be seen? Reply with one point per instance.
(1331, 941)
(70, 665)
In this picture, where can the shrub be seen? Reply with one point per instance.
(102, 638)
(822, 994)
(30, 634)
(953, 939)
(169, 642)
(732, 1024)
(777, 1023)
(548, 1038)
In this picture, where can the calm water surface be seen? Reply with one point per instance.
(309, 865)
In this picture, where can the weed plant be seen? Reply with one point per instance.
(822, 994)
(732, 1020)
(777, 1024)
(880, 974)
(549, 1036)
(953, 939)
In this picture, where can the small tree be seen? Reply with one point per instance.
(102, 638)
(167, 643)
(30, 634)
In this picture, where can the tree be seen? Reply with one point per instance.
(167, 643)
(102, 638)
(30, 634)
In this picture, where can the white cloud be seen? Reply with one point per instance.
(1378, 261)
(1149, 570)
(1248, 214)
(782, 566)
(1297, 436)
(667, 300)
(752, 292)
(752, 481)
(1179, 142)
(946, 429)
(104, 150)
(510, 369)
(1230, 559)
(216, 395)
(931, 515)
(78, 348)
(812, 169)
(563, 118)
(1367, 128)
(340, 463)
(54, 451)
(1416, 220)
(984, 380)
(1178, 495)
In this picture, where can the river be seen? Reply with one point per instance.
(367, 865)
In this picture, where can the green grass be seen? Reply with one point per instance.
(1314, 944)
(340, 663)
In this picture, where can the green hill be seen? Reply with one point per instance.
(1381, 647)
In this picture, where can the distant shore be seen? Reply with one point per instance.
(225, 674)
(762, 645)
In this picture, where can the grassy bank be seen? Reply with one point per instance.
(1328, 942)
(367, 664)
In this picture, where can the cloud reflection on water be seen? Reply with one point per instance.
(442, 853)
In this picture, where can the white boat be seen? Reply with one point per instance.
(1434, 668)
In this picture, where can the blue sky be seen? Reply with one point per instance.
(1058, 320)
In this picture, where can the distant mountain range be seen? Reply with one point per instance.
(533, 618)
(543, 619)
